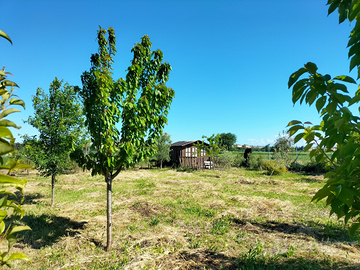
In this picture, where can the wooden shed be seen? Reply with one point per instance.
(184, 154)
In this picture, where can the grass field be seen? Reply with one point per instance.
(166, 219)
(300, 157)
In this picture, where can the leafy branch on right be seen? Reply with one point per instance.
(339, 129)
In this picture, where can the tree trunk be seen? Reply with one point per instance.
(53, 190)
(161, 164)
(109, 212)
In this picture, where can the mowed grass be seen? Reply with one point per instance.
(166, 219)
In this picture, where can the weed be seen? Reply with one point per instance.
(132, 228)
(194, 243)
(154, 221)
(221, 225)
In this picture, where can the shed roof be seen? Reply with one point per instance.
(184, 143)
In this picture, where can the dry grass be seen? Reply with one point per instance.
(166, 219)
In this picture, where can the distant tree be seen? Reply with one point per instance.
(228, 140)
(58, 118)
(163, 148)
(283, 145)
(139, 105)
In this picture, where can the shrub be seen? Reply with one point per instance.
(226, 159)
(256, 163)
(315, 167)
(238, 160)
(275, 167)
(185, 169)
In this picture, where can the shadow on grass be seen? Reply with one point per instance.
(47, 229)
(257, 259)
(28, 199)
(331, 231)
(32, 198)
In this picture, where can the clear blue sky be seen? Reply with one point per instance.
(231, 60)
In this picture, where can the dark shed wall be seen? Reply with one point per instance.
(186, 156)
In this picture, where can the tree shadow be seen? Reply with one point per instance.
(47, 229)
(31, 198)
(28, 198)
(331, 231)
(206, 259)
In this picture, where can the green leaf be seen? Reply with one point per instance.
(4, 35)
(354, 100)
(337, 207)
(6, 180)
(8, 83)
(333, 6)
(295, 76)
(298, 137)
(294, 122)
(355, 61)
(331, 107)
(345, 79)
(7, 123)
(353, 228)
(16, 229)
(2, 227)
(18, 256)
(294, 129)
(7, 112)
(321, 194)
(307, 147)
(320, 103)
(5, 148)
(311, 67)
(15, 101)
(298, 89)
(5, 133)
(11, 240)
(346, 196)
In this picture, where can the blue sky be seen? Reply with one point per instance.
(230, 60)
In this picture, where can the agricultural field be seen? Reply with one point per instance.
(169, 219)
(300, 157)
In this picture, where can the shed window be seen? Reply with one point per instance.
(194, 152)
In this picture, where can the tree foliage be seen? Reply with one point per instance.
(212, 146)
(163, 148)
(58, 119)
(283, 145)
(228, 140)
(339, 128)
(11, 210)
(139, 104)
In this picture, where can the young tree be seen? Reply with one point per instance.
(163, 148)
(140, 104)
(228, 140)
(339, 128)
(212, 147)
(282, 147)
(58, 118)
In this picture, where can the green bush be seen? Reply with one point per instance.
(238, 160)
(275, 167)
(316, 167)
(226, 159)
(256, 162)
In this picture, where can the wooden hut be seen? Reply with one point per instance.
(185, 154)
